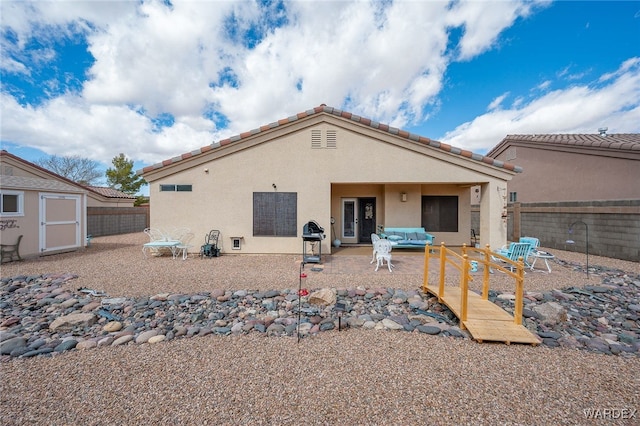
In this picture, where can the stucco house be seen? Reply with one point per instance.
(48, 210)
(572, 167)
(350, 174)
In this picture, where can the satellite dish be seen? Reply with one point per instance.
(117, 186)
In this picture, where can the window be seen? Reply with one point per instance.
(178, 188)
(12, 203)
(275, 214)
(440, 213)
(513, 197)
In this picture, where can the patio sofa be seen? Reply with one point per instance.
(407, 237)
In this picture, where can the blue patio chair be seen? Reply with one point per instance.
(513, 252)
(535, 244)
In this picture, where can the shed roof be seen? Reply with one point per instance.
(323, 109)
(37, 184)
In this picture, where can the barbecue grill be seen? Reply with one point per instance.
(313, 234)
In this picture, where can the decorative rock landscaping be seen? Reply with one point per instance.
(39, 317)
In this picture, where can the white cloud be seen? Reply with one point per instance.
(579, 109)
(382, 60)
(497, 102)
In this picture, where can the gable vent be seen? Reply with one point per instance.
(332, 139)
(316, 139)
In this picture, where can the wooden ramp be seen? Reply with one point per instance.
(485, 320)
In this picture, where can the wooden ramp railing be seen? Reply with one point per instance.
(484, 320)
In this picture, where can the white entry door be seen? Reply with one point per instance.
(59, 222)
(349, 220)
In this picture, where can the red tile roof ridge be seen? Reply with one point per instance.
(349, 116)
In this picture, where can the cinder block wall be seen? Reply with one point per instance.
(613, 226)
(116, 220)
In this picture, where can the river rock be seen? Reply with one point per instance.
(551, 313)
(322, 297)
(112, 326)
(7, 346)
(73, 320)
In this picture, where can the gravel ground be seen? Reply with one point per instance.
(347, 377)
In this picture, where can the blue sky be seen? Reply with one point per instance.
(155, 79)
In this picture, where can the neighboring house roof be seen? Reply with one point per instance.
(37, 184)
(110, 192)
(615, 144)
(4, 153)
(323, 109)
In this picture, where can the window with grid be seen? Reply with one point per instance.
(275, 214)
(440, 213)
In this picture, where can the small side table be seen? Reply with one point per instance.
(544, 256)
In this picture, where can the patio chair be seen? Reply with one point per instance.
(513, 252)
(178, 233)
(210, 247)
(155, 234)
(9, 251)
(533, 242)
(185, 245)
(383, 248)
(374, 238)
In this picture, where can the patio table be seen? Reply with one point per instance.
(541, 255)
(170, 244)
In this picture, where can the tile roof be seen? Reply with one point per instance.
(109, 192)
(37, 184)
(621, 142)
(63, 180)
(344, 115)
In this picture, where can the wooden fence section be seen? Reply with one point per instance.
(484, 320)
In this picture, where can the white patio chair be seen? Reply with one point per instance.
(155, 234)
(383, 253)
(184, 246)
(374, 238)
(176, 234)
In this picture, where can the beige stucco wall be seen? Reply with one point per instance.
(364, 163)
(560, 175)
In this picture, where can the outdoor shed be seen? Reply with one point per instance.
(48, 210)
(352, 175)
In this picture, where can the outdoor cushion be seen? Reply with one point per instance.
(412, 235)
(395, 237)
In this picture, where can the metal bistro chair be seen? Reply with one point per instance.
(383, 253)
(184, 246)
(374, 239)
(210, 247)
(10, 251)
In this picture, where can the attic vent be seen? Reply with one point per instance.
(332, 139)
(510, 154)
(316, 139)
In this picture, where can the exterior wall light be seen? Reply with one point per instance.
(403, 197)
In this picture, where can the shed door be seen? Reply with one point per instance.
(59, 222)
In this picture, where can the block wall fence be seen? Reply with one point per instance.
(103, 221)
(614, 226)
